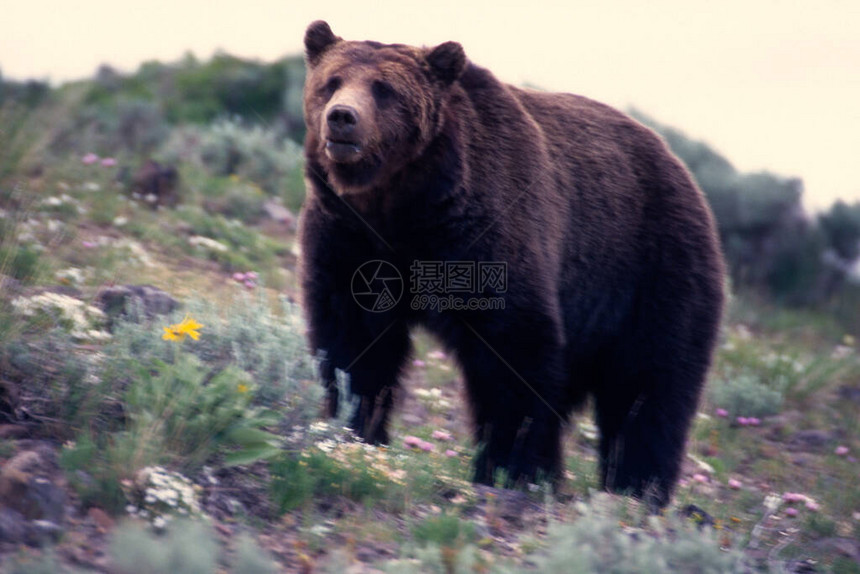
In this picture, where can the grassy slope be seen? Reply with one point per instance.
(377, 506)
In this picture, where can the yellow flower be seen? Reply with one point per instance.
(177, 332)
(242, 388)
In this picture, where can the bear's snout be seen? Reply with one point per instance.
(341, 121)
(342, 133)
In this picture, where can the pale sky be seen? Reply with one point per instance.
(770, 84)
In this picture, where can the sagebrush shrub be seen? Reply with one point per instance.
(746, 394)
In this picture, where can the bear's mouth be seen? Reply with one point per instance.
(342, 151)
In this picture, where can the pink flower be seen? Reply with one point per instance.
(791, 511)
(735, 484)
(250, 284)
(450, 453)
(418, 363)
(108, 162)
(793, 497)
(88, 244)
(442, 435)
(238, 277)
(812, 505)
(700, 478)
(683, 483)
(90, 159)
(426, 446)
(252, 275)
(743, 421)
(841, 450)
(753, 421)
(438, 355)
(410, 441)
(722, 413)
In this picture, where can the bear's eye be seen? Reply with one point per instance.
(331, 86)
(383, 91)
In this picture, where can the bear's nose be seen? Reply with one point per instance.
(342, 120)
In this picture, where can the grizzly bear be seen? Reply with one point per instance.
(613, 287)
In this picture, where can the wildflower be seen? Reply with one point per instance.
(207, 243)
(426, 446)
(418, 363)
(753, 421)
(743, 421)
(177, 332)
(90, 159)
(411, 441)
(242, 388)
(794, 497)
(841, 450)
(450, 453)
(790, 511)
(436, 355)
(318, 427)
(734, 484)
(89, 244)
(722, 413)
(442, 435)
(239, 277)
(812, 505)
(700, 478)
(108, 162)
(772, 502)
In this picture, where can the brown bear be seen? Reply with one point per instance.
(614, 277)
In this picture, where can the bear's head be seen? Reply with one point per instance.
(372, 108)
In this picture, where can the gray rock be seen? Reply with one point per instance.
(41, 532)
(812, 438)
(33, 503)
(279, 213)
(13, 526)
(131, 300)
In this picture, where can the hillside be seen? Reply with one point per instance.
(176, 427)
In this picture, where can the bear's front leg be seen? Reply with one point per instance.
(372, 360)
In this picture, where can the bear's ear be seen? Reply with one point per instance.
(318, 38)
(447, 61)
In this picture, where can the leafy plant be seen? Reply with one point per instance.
(196, 413)
(232, 147)
(251, 559)
(188, 547)
(746, 395)
(596, 543)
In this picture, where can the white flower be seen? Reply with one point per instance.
(207, 243)
(772, 501)
(318, 427)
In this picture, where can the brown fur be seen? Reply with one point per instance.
(614, 270)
